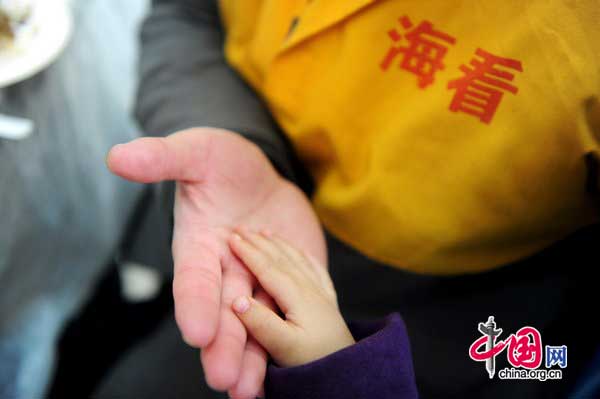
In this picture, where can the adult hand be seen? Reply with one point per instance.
(223, 181)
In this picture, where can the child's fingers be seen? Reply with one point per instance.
(294, 255)
(301, 263)
(273, 333)
(272, 278)
(261, 242)
(280, 258)
(309, 264)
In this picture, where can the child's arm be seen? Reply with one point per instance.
(316, 352)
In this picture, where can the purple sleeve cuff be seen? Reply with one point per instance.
(378, 366)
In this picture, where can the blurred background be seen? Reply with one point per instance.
(76, 285)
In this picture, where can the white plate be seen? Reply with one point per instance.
(52, 26)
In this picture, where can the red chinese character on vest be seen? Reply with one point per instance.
(424, 53)
(480, 90)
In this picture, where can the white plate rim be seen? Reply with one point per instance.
(55, 27)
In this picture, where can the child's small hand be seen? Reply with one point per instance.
(313, 327)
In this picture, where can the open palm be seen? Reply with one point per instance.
(223, 181)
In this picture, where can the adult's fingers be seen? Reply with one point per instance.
(254, 365)
(252, 373)
(222, 359)
(196, 286)
(179, 156)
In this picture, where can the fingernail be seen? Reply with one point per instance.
(241, 304)
(236, 237)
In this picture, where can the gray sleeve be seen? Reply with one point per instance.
(186, 82)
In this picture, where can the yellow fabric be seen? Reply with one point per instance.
(400, 176)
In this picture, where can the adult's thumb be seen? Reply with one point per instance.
(154, 159)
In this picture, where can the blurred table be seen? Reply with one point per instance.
(61, 213)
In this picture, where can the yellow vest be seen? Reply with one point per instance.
(444, 136)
